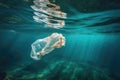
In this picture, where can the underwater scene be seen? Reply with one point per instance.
(59, 39)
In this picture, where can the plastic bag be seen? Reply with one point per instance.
(44, 46)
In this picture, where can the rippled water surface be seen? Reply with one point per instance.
(17, 16)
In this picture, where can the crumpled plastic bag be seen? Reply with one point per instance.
(44, 46)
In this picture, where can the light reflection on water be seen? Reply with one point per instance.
(99, 22)
(107, 21)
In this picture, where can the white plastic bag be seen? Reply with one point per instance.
(44, 46)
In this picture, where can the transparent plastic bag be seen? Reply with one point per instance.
(44, 46)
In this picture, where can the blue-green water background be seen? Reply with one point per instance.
(92, 33)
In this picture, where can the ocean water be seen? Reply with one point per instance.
(91, 52)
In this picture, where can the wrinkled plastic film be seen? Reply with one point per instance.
(46, 45)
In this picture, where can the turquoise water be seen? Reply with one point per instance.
(91, 52)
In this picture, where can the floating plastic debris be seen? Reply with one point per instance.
(44, 46)
(46, 12)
